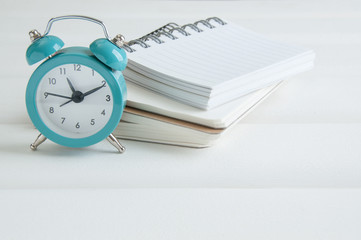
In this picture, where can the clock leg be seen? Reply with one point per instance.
(114, 141)
(39, 140)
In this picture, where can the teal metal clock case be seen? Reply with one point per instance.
(76, 97)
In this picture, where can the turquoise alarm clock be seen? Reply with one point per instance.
(77, 95)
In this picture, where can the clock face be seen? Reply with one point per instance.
(74, 101)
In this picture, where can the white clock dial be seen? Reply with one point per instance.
(74, 101)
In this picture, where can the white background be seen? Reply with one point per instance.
(290, 169)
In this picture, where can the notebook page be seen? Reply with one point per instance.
(146, 100)
(213, 56)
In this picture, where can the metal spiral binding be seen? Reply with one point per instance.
(168, 29)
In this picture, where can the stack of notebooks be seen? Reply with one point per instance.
(187, 85)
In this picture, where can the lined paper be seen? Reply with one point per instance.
(205, 62)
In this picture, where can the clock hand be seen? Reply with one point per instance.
(78, 96)
(56, 95)
(70, 85)
(93, 90)
(66, 102)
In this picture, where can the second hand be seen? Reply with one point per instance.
(56, 95)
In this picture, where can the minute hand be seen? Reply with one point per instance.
(93, 90)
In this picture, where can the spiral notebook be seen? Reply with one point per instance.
(211, 62)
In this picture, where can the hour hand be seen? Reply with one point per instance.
(70, 85)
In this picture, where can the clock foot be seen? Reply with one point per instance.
(114, 141)
(39, 140)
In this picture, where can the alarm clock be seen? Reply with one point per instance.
(76, 97)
